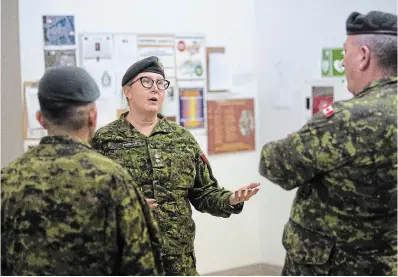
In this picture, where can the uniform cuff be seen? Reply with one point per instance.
(233, 209)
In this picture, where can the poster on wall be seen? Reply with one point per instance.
(331, 62)
(190, 58)
(59, 30)
(59, 58)
(97, 46)
(231, 126)
(104, 75)
(191, 107)
(161, 46)
(321, 97)
(125, 55)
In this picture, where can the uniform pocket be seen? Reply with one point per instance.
(305, 246)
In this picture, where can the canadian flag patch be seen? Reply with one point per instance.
(204, 158)
(328, 110)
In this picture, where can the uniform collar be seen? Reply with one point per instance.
(163, 125)
(63, 140)
(377, 83)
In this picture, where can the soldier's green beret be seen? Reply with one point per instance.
(150, 64)
(374, 22)
(64, 85)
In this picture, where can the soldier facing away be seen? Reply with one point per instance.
(344, 163)
(66, 209)
(167, 164)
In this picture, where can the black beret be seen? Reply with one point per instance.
(150, 64)
(374, 22)
(63, 85)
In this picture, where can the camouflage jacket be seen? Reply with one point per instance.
(344, 163)
(67, 210)
(169, 167)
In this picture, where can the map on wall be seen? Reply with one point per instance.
(59, 30)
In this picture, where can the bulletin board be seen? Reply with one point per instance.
(192, 68)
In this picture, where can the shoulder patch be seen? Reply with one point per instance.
(204, 158)
(328, 110)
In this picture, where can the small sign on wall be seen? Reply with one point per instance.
(331, 62)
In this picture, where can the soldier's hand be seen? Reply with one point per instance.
(151, 203)
(244, 193)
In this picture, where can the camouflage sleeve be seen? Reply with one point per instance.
(206, 195)
(323, 144)
(138, 235)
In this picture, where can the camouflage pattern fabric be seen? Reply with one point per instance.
(67, 210)
(344, 216)
(180, 265)
(169, 167)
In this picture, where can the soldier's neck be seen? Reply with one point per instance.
(143, 123)
(81, 134)
(368, 77)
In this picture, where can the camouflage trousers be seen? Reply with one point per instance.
(180, 265)
(341, 264)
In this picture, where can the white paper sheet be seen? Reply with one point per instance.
(125, 53)
(34, 129)
(125, 56)
(218, 72)
(32, 106)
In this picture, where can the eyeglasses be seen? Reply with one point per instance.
(147, 82)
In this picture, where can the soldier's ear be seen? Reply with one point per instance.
(92, 116)
(365, 57)
(39, 118)
(127, 92)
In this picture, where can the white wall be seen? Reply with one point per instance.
(220, 243)
(291, 34)
(257, 34)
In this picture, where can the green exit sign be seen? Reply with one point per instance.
(331, 62)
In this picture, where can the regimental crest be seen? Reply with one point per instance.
(160, 64)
